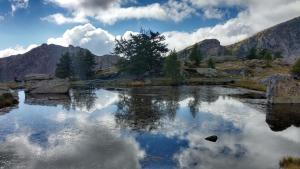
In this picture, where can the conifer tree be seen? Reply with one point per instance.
(196, 55)
(64, 67)
(172, 67)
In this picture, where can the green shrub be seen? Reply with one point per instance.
(296, 69)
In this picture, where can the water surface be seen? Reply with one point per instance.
(157, 127)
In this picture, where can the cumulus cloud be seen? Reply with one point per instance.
(109, 12)
(16, 50)
(18, 4)
(87, 36)
(212, 13)
(248, 22)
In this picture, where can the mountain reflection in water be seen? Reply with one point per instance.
(152, 127)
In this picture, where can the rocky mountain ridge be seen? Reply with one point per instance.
(283, 38)
(43, 60)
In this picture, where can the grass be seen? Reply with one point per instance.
(290, 163)
(249, 84)
(11, 85)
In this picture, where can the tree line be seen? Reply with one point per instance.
(146, 55)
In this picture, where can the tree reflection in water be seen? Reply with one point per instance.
(144, 108)
(83, 98)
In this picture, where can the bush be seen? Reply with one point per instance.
(296, 69)
(211, 63)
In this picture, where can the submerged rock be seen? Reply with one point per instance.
(282, 89)
(212, 138)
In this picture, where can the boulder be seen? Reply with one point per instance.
(49, 86)
(207, 72)
(212, 138)
(282, 88)
(7, 98)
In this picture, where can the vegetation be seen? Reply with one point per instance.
(290, 163)
(252, 54)
(266, 55)
(64, 67)
(196, 55)
(172, 67)
(211, 63)
(296, 69)
(142, 53)
(81, 65)
(84, 65)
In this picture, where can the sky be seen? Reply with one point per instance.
(95, 24)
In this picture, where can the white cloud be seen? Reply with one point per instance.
(1, 18)
(60, 19)
(87, 36)
(16, 50)
(248, 22)
(212, 13)
(112, 11)
(18, 4)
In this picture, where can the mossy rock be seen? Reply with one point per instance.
(7, 100)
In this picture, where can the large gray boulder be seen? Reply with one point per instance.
(207, 72)
(282, 88)
(44, 84)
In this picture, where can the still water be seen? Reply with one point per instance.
(157, 127)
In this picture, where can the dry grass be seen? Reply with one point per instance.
(11, 85)
(290, 163)
(249, 84)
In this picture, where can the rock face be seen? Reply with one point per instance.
(42, 60)
(208, 47)
(284, 38)
(282, 89)
(45, 84)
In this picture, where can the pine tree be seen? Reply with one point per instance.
(64, 68)
(172, 67)
(252, 54)
(211, 63)
(142, 53)
(84, 65)
(196, 55)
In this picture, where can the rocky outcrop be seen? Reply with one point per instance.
(284, 38)
(43, 60)
(282, 89)
(207, 72)
(7, 98)
(45, 84)
(208, 47)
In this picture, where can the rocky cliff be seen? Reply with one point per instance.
(42, 60)
(208, 47)
(284, 38)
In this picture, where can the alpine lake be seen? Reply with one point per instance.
(148, 127)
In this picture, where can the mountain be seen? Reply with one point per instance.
(43, 60)
(283, 38)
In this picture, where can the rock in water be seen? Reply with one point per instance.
(7, 98)
(282, 89)
(44, 84)
(212, 138)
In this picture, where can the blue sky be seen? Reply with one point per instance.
(94, 24)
